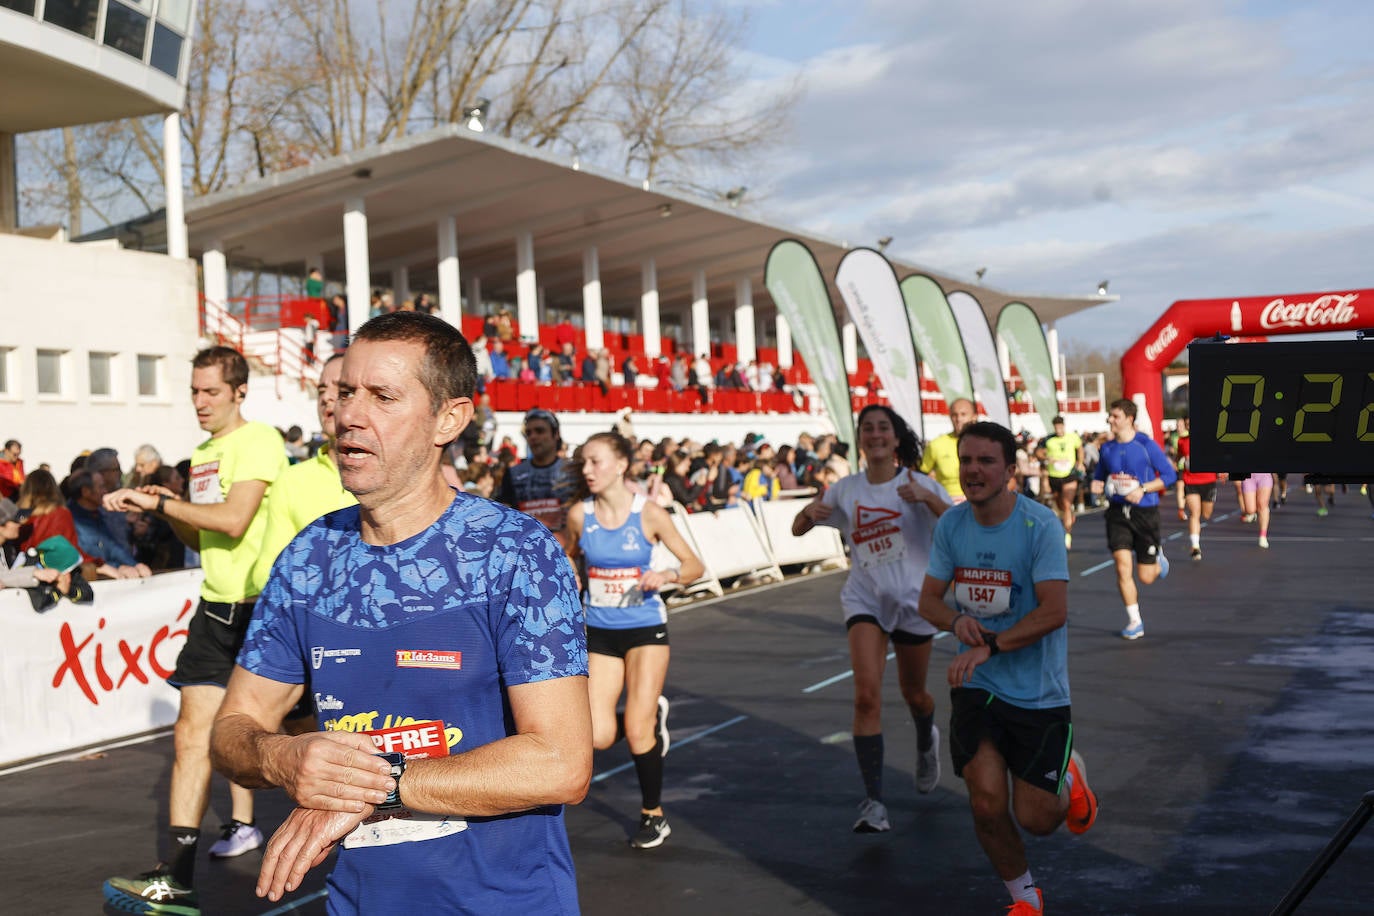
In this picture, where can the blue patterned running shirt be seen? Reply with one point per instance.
(432, 629)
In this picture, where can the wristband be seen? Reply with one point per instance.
(398, 769)
(990, 640)
(162, 504)
(955, 622)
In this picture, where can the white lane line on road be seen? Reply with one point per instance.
(67, 758)
(676, 744)
(296, 904)
(1099, 567)
(850, 673)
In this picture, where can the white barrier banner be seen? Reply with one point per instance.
(82, 674)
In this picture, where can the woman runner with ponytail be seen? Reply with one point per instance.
(614, 531)
(887, 513)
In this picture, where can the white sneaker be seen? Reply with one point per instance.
(928, 764)
(872, 817)
(236, 839)
(1264, 542)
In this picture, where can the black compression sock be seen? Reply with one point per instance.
(649, 769)
(869, 751)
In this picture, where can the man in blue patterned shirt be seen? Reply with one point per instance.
(441, 635)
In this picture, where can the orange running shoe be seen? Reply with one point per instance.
(1082, 799)
(1022, 908)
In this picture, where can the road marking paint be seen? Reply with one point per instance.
(1099, 567)
(676, 744)
(295, 904)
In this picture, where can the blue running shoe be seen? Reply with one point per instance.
(1134, 632)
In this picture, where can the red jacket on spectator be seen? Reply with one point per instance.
(38, 528)
(11, 476)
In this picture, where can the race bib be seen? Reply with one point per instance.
(614, 587)
(1062, 465)
(877, 538)
(982, 592)
(205, 487)
(401, 825)
(549, 511)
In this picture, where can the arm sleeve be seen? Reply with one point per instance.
(263, 457)
(274, 646)
(1049, 556)
(941, 565)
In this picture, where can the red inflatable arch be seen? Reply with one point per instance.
(1299, 313)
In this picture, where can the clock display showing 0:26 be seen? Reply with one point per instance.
(1250, 400)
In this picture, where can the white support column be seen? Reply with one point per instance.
(357, 263)
(592, 319)
(849, 345)
(526, 287)
(177, 246)
(1052, 342)
(450, 303)
(400, 284)
(648, 309)
(784, 343)
(475, 295)
(215, 269)
(745, 348)
(701, 315)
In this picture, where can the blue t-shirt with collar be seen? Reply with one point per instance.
(489, 593)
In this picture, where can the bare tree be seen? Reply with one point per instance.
(646, 84)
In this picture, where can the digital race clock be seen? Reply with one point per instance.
(1283, 407)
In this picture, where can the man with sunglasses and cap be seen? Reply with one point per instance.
(537, 486)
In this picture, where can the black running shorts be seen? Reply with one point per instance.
(1208, 491)
(1057, 483)
(899, 637)
(213, 639)
(1134, 528)
(618, 643)
(1034, 742)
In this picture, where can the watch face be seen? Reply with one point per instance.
(1285, 407)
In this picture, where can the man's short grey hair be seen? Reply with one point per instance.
(102, 459)
(147, 453)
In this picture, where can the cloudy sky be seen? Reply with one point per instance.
(1179, 148)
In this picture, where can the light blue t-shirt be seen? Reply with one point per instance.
(436, 627)
(992, 573)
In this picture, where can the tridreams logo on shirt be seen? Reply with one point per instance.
(319, 653)
(877, 537)
(982, 592)
(428, 658)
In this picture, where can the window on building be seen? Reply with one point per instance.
(176, 13)
(50, 364)
(77, 16)
(166, 54)
(6, 368)
(149, 376)
(19, 6)
(102, 371)
(126, 29)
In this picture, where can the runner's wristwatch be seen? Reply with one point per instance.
(990, 640)
(398, 769)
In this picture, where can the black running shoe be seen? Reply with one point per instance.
(653, 830)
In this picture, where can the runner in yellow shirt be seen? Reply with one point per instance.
(1062, 453)
(941, 458)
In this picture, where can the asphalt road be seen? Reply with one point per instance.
(1226, 747)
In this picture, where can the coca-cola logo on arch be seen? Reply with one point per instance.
(1331, 309)
(1167, 335)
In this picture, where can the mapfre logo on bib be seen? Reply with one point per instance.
(982, 592)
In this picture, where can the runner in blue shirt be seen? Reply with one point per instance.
(1133, 470)
(442, 640)
(1002, 558)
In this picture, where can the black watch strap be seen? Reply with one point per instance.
(398, 769)
(990, 640)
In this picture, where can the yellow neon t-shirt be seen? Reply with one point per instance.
(302, 493)
(942, 458)
(254, 451)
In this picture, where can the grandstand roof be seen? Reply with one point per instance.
(496, 187)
